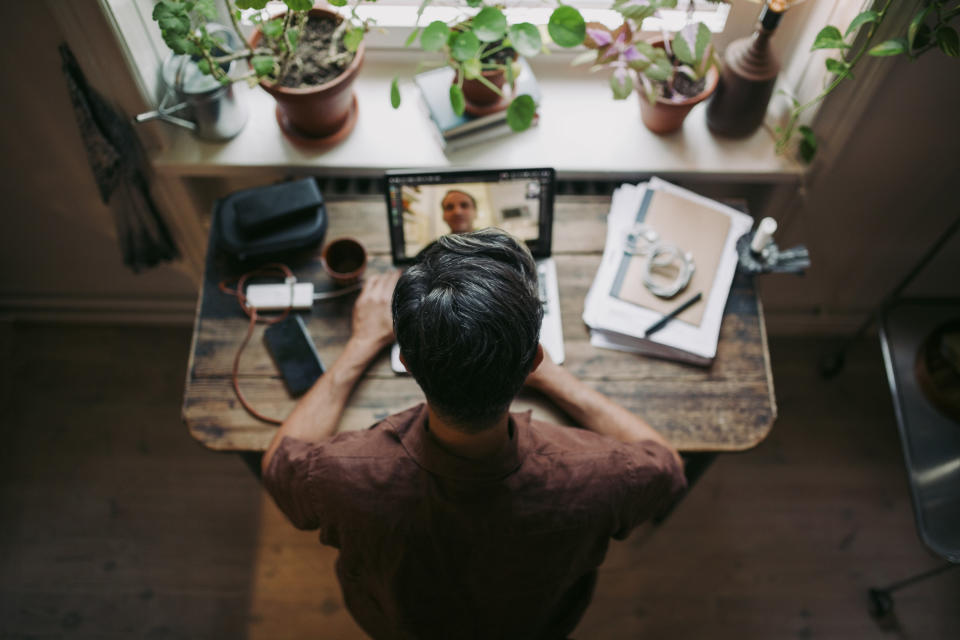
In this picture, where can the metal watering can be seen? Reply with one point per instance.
(203, 105)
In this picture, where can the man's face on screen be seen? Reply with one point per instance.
(459, 212)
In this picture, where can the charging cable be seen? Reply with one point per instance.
(238, 292)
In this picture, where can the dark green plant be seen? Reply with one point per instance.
(929, 29)
(183, 24)
(470, 45)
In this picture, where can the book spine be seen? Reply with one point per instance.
(487, 133)
(437, 134)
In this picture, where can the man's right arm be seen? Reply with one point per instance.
(590, 408)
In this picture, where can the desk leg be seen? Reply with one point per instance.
(881, 600)
(695, 465)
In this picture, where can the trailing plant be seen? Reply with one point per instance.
(183, 25)
(485, 41)
(929, 28)
(678, 68)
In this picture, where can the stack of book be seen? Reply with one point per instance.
(453, 131)
(619, 307)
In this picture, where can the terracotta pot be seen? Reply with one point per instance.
(320, 111)
(478, 94)
(667, 116)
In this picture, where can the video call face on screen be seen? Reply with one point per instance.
(434, 210)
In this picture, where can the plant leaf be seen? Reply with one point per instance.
(489, 25)
(584, 57)
(395, 93)
(338, 3)
(465, 45)
(808, 143)
(293, 37)
(566, 27)
(690, 43)
(207, 9)
(471, 68)
(299, 5)
(456, 99)
(525, 38)
(474, 3)
(622, 86)
(891, 47)
(660, 70)
(520, 112)
(273, 28)
(413, 36)
(829, 38)
(251, 4)
(352, 38)
(637, 10)
(948, 41)
(838, 67)
(262, 65)
(862, 19)
(181, 45)
(918, 19)
(434, 37)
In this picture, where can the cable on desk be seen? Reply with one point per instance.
(266, 270)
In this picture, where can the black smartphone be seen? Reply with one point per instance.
(294, 354)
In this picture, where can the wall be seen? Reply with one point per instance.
(883, 191)
(884, 196)
(58, 252)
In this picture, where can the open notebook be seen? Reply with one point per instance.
(619, 307)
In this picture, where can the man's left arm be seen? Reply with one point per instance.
(317, 414)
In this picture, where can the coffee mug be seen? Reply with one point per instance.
(344, 260)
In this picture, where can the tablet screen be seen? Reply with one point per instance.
(425, 206)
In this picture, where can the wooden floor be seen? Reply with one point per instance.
(114, 524)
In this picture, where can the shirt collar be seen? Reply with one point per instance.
(427, 453)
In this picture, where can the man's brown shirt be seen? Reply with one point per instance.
(433, 545)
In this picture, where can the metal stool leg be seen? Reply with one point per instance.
(881, 598)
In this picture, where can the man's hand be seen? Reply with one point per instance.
(372, 316)
(317, 413)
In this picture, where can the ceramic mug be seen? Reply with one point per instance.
(344, 260)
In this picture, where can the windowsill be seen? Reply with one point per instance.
(583, 132)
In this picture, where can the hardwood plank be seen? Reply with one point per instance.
(116, 524)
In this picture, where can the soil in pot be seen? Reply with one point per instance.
(316, 106)
(684, 87)
(306, 69)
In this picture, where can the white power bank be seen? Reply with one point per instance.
(276, 297)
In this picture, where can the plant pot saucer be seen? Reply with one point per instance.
(484, 110)
(319, 142)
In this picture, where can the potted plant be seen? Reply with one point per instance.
(931, 27)
(306, 58)
(672, 73)
(483, 49)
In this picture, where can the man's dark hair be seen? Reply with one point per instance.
(467, 317)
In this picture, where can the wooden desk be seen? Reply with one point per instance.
(728, 407)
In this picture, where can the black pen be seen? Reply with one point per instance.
(662, 322)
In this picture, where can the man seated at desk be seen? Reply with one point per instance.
(456, 518)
